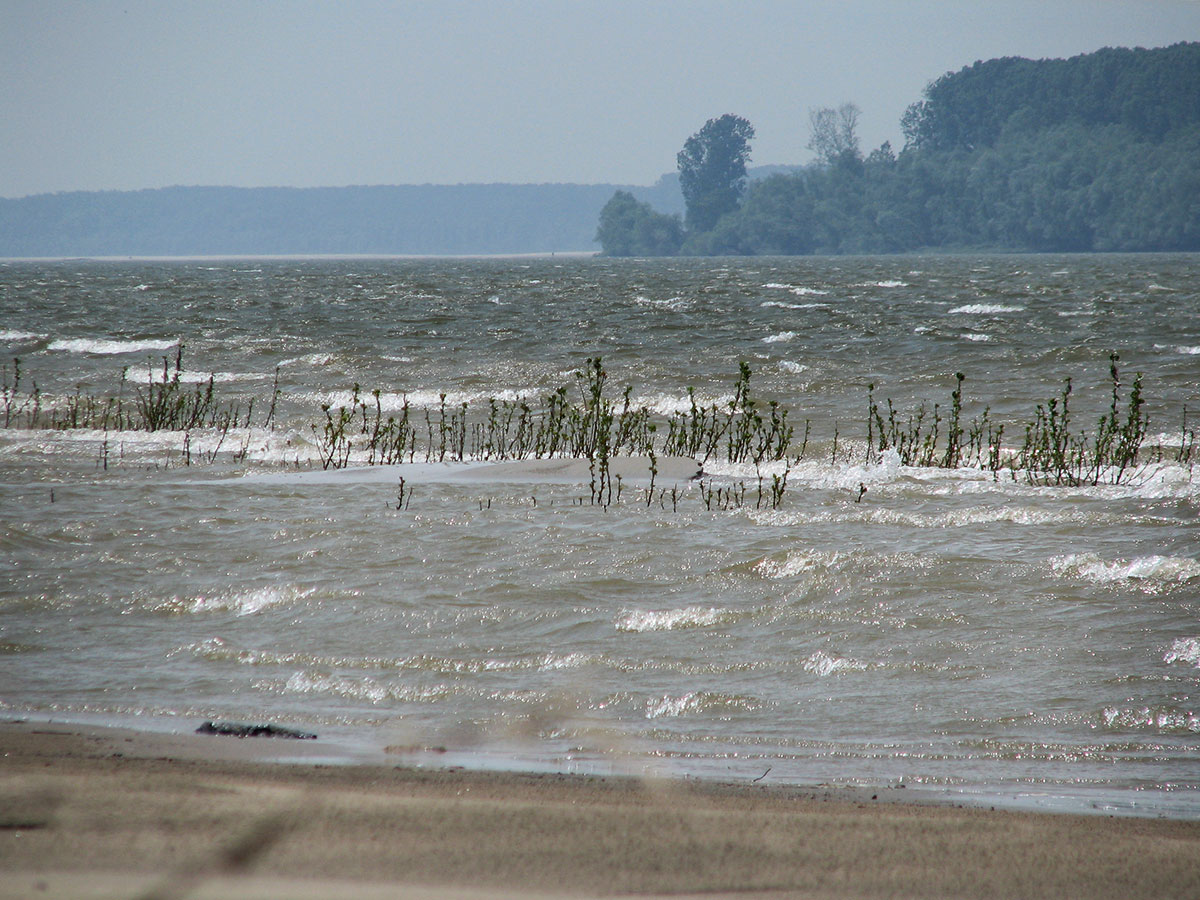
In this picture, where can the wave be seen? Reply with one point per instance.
(18, 336)
(782, 337)
(698, 702)
(354, 688)
(197, 376)
(983, 309)
(1181, 350)
(108, 347)
(823, 664)
(1184, 650)
(780, 305)
(672, 304)
(798, 290)
(242, 603)
(799, 563)
(1159, 719)
(1151, 573)
(673, 619)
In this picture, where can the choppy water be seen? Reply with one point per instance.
(1009, 642)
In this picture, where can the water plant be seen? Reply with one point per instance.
(1052, 451)
(585, 419)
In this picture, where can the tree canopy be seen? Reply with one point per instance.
(629, 227)
(712, 170)
(1100, 152)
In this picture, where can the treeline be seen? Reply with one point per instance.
(403, 219)
(1100, 152)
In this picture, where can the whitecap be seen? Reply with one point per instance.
(672, 619)
(243, 603)
(776, 304)
(355, 688)
(670, 707)
(798, 290)
(1184, 650)
(13, 336)
(977, 338)
(984, 309)
(1163, 719)
(696, 701)
(782, 337)
(674, 304)
(1149, 572)
(798, 563)
(102, 347)
(673, 404)
(822, 664)
(196, 376)
(793, 367)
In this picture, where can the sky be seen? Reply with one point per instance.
(100, 95)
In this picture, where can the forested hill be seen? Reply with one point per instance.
(1151, 94)
(404, 219)
(1100, 152)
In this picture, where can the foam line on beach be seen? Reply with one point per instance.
(633, 469)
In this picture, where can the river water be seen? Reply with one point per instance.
(976, 634)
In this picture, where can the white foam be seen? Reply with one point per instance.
(798, 290)
(1158, 719)
(798, 563)
(672, 619)
(984, 309)
(670, 707)
(780, 305)
(1149, 572)
(243, 603)
(356, 688)
(196, 377)
(671, 404)
(103, 347)
(1182, 350)
(1184, 650)
(794, 367)
(674, 304)
(823, 664)
(391, 401)
(782, 337)
(311, 359)
(695, 701)
(14, 336)
(978, 338)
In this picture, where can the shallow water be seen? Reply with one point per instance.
(1006, 642)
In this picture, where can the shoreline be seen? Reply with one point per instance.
(91, 811)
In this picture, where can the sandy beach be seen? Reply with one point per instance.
(99, 812)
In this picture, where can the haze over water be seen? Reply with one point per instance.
(947, 630)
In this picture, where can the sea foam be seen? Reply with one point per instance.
(108, 347)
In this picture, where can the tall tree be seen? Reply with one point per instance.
(835, 134)
(712, 170)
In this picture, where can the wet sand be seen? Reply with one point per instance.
(93, 812)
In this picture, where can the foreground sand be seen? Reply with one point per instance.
(108, 813)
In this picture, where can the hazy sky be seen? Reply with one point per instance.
(148, 93)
